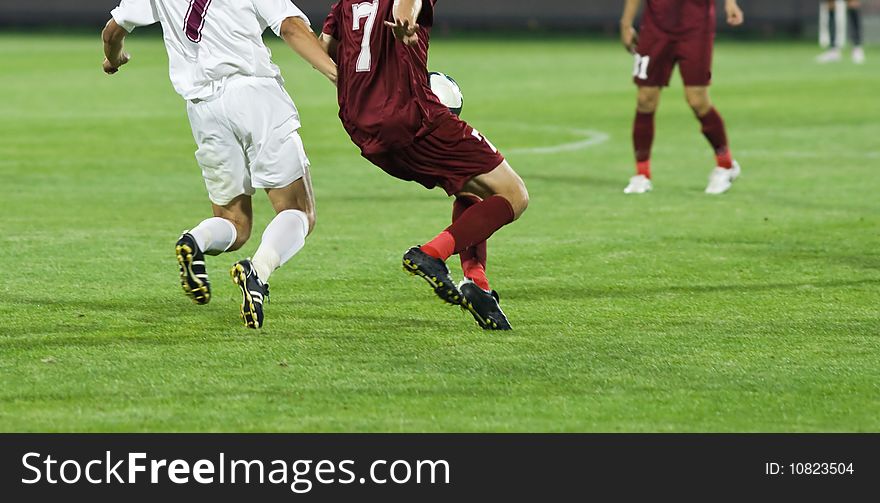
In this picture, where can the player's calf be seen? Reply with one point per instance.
(239, 216)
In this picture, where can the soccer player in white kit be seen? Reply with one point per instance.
(244, 123)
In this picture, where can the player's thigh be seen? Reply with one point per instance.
(502, 181)
(268, 122)
(219, 154)
(282, 159)
(448, 157)
(295, 196)
(654, 59)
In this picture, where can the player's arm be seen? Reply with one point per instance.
(300, 37)
(114, 47)
(734, 13)
(628, 34)
(405, 28)
(329, 44)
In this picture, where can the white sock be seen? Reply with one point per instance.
(283, 238)
(214, 235)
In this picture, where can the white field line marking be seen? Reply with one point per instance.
(800, 154)
(590, 138)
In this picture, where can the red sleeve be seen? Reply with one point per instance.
(426, 17)
(331, 25)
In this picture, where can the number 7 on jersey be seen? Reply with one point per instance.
(368, 11)
(195, 19)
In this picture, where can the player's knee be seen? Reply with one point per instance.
(312, 217)
(647, 102)
(519, 200)
(307, 209)
(699, 103)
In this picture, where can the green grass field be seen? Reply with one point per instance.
(756, 311)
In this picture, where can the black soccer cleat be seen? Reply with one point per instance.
(193, 274)
(253, 293)
(483, 306)
(434, 271)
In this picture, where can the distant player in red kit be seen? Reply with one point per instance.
(678, 32)
(388, 109)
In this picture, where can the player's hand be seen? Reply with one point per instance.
(735, 16)
(111, 67)
(405, 32)
(630, 38)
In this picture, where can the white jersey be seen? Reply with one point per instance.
(211, 40)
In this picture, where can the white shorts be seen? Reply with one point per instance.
(247, 137)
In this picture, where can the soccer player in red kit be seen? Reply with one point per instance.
(388, 109)
(678, 32)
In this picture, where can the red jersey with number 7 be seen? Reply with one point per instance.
(385, 99)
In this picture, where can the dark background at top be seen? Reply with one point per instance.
(765, 17)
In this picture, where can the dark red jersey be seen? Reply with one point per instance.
(385, 100)
(679, 16)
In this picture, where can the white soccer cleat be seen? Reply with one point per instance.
(721, 179)
(638, 184)
(830, 56)
(858, 56)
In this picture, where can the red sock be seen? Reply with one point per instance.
(715, 132)
(724, 159)
(643, 139)
(475, 225)
(476, 272)
(473, 260)
(442, 246)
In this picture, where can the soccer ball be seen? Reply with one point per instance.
(447, 90)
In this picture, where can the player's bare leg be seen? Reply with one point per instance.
(283, 238)
(228, 230)
(503, 198)
(643, 139)
(727, 169)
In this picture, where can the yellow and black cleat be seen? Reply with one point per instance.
(484, 306)
(253, 293)
(434, 271)
(193, 273)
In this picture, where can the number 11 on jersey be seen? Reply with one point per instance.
(641, 66)
(368, 11)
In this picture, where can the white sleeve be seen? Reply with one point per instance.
(274, 12)
(133, 13)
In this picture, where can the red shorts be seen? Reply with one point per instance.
(448, 157)
(658, 53)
